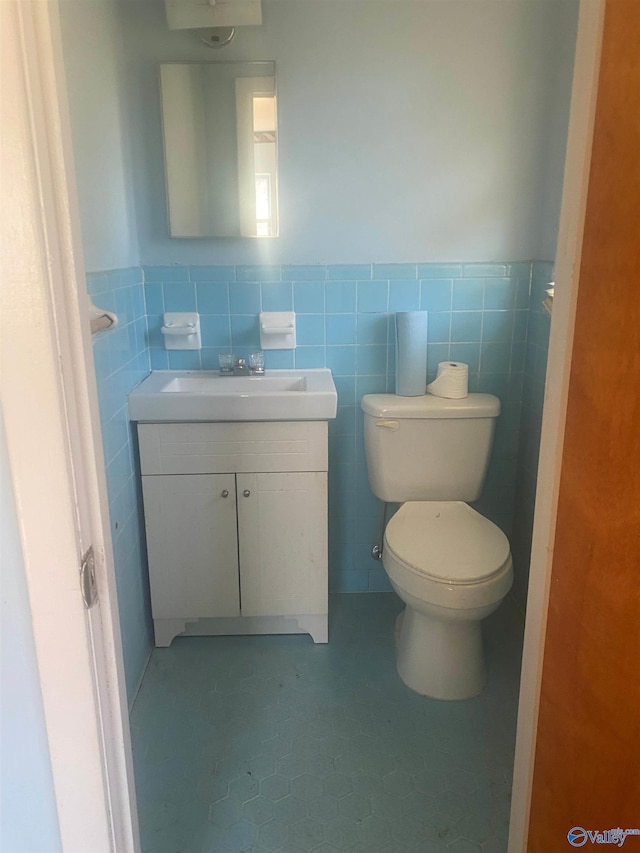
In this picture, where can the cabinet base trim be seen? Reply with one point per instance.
(315, 624)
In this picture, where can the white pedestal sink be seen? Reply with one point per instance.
(201, 395)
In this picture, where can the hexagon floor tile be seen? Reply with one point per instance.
(276, 745)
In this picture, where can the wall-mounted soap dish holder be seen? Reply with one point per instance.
(277, 330)
(181, 330)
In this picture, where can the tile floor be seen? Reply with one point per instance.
(264, 744)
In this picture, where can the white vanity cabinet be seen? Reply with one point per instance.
(236, 524)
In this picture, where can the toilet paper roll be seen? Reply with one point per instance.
(411, 353)
(452, 380)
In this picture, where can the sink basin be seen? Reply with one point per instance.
(235, 384)
(202, 395)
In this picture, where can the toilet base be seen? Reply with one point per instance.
(439, 658)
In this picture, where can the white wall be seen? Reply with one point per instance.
(29, 819)
(92, 44)
(412, 130)
(558, 53)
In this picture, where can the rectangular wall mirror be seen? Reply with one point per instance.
(219, 131)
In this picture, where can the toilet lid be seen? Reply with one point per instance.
(447, 540)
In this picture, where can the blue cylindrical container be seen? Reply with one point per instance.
(411, 353)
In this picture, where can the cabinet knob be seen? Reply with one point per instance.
(246, 493)
(225, 493)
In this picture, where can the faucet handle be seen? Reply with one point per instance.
(225, 361)
(256, 362)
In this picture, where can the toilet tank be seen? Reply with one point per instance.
(428, 448)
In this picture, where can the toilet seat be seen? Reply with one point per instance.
(447, 542)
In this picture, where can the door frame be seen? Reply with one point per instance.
(56, 466)
(567, 274)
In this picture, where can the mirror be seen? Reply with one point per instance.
(220, 148)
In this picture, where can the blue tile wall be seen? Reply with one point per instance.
(535, 367)
(478, 313)
(121, 360)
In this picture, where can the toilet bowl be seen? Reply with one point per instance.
(451, 567)
(449, 564)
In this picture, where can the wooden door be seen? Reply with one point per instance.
(192, 544)
(587, 759)
(282, 532)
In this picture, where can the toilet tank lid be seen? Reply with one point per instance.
(428, 406)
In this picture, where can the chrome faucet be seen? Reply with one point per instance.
(240, 367)
(230, 366)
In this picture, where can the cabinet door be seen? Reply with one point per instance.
(282, 533)
(192, 545)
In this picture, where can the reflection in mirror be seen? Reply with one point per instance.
(220, 144)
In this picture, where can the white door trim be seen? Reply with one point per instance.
(567, 273)
(55, 457)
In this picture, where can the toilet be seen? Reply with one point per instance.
(450, 565)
